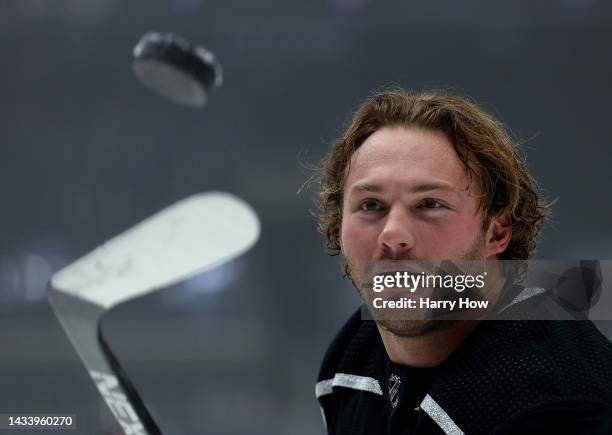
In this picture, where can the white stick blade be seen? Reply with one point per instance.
(178, 242)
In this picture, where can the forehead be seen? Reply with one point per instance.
(406, 155)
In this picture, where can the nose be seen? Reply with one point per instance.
(397, 237)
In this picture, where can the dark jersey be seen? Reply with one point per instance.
(507, 377)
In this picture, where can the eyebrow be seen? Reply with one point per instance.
(418, 188)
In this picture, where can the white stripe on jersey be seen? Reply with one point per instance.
(362, 383)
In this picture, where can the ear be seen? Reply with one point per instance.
(499, 234)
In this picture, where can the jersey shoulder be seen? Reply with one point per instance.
(348, 388)
(508, 369)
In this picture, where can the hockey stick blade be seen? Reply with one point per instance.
(187, 238)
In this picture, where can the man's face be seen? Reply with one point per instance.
(405, 198)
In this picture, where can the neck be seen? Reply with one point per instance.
(428, 350)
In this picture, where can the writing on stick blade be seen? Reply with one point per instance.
(178, 242)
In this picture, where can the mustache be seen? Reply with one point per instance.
(404, 267)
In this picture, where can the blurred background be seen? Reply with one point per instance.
(86, 151)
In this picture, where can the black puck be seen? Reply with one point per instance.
(175, 69)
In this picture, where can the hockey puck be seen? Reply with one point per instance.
(175, 69)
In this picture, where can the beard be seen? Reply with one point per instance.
(428, 324)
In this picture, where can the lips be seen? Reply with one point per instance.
(395, 284)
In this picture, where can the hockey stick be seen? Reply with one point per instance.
(192, 235)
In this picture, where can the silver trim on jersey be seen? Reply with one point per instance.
(324, 387)
(323, 416)
(362, 383)
(442, 419)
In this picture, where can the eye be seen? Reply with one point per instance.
(369, 205)
(431, 203)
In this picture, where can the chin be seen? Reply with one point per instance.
(415, 328)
